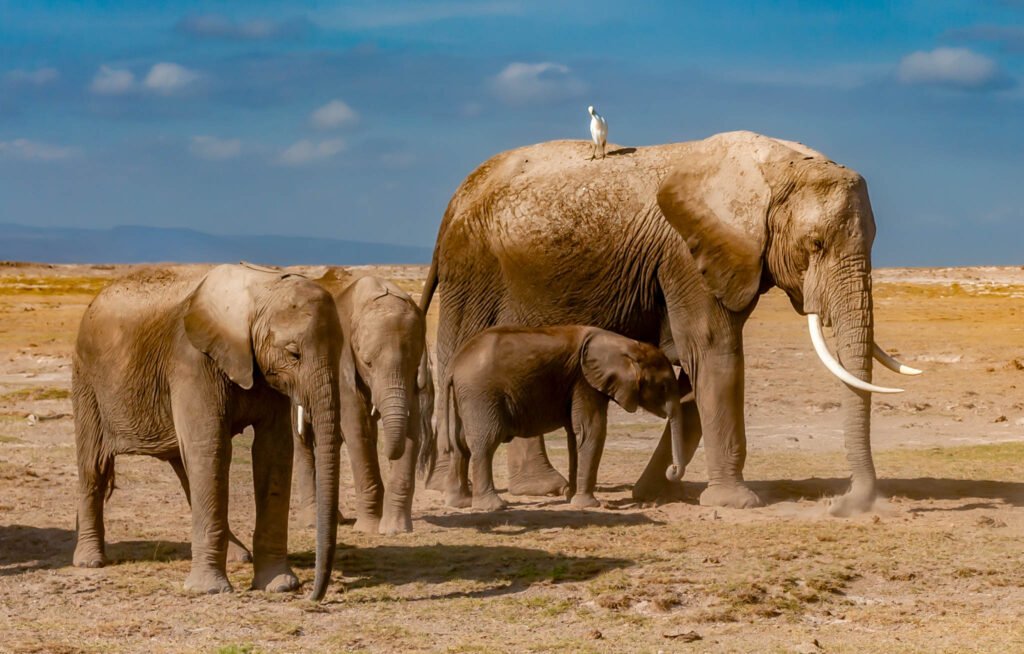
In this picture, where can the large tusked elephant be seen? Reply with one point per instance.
(385, 381)
(172, 364)
(671, 245)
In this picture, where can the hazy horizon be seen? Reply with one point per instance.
(356, 121)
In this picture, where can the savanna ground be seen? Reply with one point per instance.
(939, 565)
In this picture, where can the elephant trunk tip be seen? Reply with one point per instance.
(674, 472)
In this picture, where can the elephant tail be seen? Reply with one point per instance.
(430, 285)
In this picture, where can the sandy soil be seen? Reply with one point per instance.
(939, 566)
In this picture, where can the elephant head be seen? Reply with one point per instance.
(387, 339)
(757, 212)
(254, 321)
(635, 374)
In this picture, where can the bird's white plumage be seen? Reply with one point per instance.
(598, 131)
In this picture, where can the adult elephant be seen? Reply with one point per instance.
(172, 364)
(672, 245)
(385, 382)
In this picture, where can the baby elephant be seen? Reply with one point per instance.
(517, 381)
(386, 388)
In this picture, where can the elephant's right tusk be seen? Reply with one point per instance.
(300, 419)
(836, 368)
(892, 364)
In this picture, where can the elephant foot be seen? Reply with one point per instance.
(733, 496)
(89, 556)
(855, 502)
(545, 482)
(207, 582)
(398, 522)
(489, 502)
(458, 499)
(275, 577)
(585, 501)
(367, 524)
(238, 553)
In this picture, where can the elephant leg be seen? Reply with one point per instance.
(652, 484)
(361, 441)
(571, 445)
(530, 471)
(95, 477)
(304, 474)
(206, 449)
(457, 494)
(718, 387)
(272, 481)
(398, 494)
(237, 552)
(590, 424)
(482, 448)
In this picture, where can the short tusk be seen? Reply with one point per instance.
(300, 419)
(836, 368)
(892, 364)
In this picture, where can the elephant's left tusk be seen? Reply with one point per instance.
(836, 368)
(300, 419)
(892, 364)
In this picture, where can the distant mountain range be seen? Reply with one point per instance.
(135, 244)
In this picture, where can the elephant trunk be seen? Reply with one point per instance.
(327, 433)
(853, 319)
(394, 416)
(675, 470)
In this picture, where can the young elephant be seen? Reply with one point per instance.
(518, 381)
(385, 380)
(172, 364)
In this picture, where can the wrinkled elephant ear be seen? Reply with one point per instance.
(609, 368)
(717, 198)
(218, 317)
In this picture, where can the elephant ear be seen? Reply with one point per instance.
(218, 318)
(717, 198)
(609, 368)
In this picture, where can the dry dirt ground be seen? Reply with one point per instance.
(939, 566)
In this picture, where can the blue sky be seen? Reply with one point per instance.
(358, 120)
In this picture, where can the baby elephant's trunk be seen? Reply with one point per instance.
(675, 471)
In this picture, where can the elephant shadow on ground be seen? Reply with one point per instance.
(922, 488)
(24, 548)
(515, 521)
(500, 569)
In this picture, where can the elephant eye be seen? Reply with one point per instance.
(292, 349)
(817, 245)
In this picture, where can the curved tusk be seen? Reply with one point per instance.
(836, 368)
(892, 364)
(300, 419)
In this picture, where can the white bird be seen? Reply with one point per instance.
(598, 132)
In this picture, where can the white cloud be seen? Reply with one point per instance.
(955, 67)
(167, 78)
(521, 83)
(333, 114)
(215, 149)
(38, 77)
(112, 81)
(306, 151)
(27, 150)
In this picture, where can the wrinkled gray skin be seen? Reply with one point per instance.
(510, 381)
(671, 245)
(172, 364)
(386, 389)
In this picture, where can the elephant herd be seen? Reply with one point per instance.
(568, 283)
